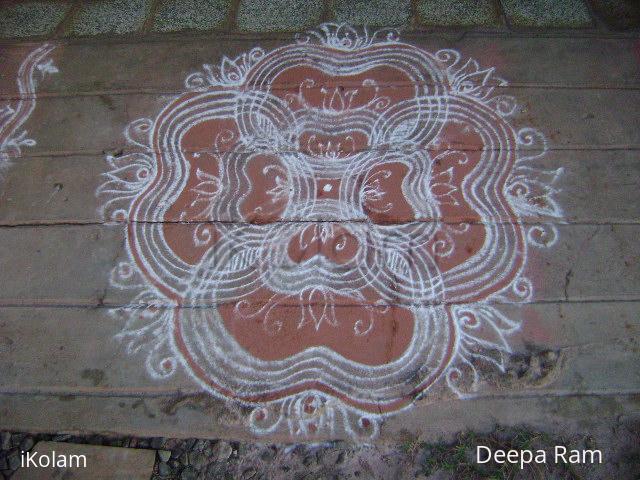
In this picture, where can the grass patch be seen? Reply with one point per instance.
(459, 458)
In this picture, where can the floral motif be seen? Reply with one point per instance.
(355, 207)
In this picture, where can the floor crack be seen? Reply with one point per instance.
(567, 280)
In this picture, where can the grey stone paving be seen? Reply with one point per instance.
(458, 13)
(113, 16)
(547, 13)
(176, 15)
(275, 15)
(31, 18)
(372, 12)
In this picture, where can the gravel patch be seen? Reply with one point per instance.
(547, 13)
(176, 15)
(31, 18)
(378, 13)
(275, 15)
(408, 457)
(458, 13)
(113, 16)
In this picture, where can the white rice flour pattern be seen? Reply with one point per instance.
(14, 113)
(322, 232)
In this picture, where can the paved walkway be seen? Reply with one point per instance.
(346, 234)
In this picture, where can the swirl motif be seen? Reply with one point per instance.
(14, 113)
(354, 205)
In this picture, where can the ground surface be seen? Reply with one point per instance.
(66, 18)
(408, 457)
(559, 355)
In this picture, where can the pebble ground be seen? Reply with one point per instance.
(75, 18)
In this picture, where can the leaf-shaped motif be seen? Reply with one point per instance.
(483, 331)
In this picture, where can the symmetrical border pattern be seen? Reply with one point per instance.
(13, 114)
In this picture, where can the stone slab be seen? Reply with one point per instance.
(571, 119)
(45, 268)
(112, 67)
(195, 416)
(595, 341)
(101, 248)
(595, 188)
(102, 463)
(64, 370)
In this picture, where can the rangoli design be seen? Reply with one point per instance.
(14, 113)
(324, 232)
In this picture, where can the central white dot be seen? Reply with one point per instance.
(328, 187)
